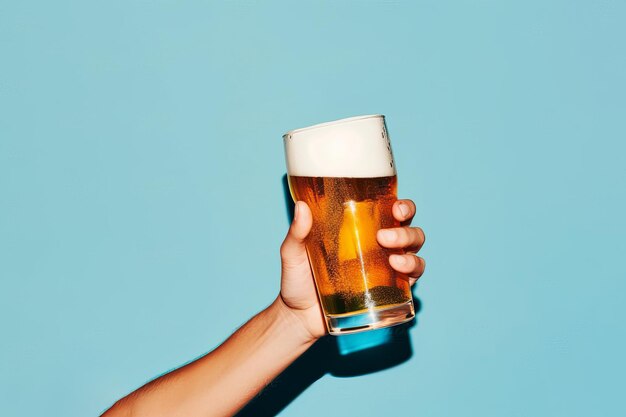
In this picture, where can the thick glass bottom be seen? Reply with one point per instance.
(375, 318)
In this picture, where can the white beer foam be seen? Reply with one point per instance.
(357, 147)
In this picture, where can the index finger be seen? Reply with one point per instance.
(403, 211)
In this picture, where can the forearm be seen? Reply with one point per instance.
(223, 381)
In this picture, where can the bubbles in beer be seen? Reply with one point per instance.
(351, 269)
(349, 302)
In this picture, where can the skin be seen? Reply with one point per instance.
(223, 381)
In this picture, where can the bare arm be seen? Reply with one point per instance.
(223, 381)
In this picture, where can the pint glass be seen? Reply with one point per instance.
(344, 170)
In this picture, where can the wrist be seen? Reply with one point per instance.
(294, 322)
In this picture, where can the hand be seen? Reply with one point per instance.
(297, 290)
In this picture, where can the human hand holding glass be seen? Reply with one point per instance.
(297, 294)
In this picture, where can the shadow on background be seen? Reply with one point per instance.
(343, 356)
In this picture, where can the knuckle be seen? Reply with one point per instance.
(421, 233)
(283, 250)
(421, 265)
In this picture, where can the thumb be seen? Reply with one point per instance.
(293, 250)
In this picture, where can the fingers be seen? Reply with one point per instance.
(408, 264)
(293, 251)
(403, 211)
(411, 239)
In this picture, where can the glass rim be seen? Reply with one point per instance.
(332, 123)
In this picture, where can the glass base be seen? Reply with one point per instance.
(376, 318)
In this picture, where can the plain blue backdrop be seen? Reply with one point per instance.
(142, 204)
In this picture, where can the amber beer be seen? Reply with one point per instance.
(344, 171)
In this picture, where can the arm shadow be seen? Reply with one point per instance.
(343, 356)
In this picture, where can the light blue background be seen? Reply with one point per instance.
(141, 203)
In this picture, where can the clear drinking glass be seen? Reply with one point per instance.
(344, 170)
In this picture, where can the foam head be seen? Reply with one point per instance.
(357, 147)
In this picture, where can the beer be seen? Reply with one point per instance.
(351, 269)
(344, 171)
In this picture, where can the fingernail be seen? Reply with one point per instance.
(399, 259)
(404, 209)
(295, 211)
(389, 235)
